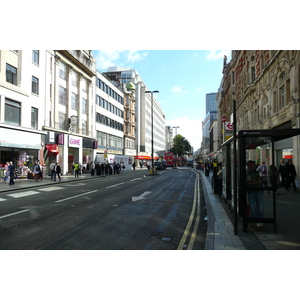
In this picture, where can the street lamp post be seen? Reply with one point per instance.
(152, 140)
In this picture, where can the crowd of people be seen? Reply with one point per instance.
(258, 175)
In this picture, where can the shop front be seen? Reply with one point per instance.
(22, 148)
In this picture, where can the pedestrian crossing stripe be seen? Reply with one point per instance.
(50, 189)
(23, 194)
(1, 199)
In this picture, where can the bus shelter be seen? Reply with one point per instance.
(255, 145)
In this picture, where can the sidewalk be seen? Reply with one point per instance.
(220, 230)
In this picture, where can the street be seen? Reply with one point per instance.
(133, 210)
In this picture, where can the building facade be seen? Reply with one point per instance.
(69, 108)
(22, 113)
(143, 122)
(265, 85)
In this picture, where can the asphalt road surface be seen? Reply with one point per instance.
(134, 211)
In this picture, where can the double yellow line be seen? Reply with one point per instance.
(195, 211)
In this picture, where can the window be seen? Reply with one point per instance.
(61, 121)
(282, 97)
(84, 84)
(11, 74)
(35, 85)
(62, 70)
(12, 112)
(252, 74)
(62, 95)
(36, 56)
(74, 78)
(84, 106)
(83, 131)
(34, 118)
(74, 101)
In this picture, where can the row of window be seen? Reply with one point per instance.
(109, 91)
(12, 114)
(62, 99)
(11, 77)
(101, 119)
(110, 141)
(108, 106)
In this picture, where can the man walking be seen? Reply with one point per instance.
(290, 175)
(11, 169)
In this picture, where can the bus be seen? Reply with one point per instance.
(170, 159)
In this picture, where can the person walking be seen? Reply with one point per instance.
(11, 169)
(36, 171)
(52, 173)
(57, 170)
(290, 175)
(274, 178)
(263, 170)
(255, 196)
(282, 173)
(76, 169)
(133, 166)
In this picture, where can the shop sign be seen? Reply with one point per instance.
(51, 147)
(75, 141)
(60, 139)
(95, 145)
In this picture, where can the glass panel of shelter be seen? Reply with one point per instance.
(256, 195)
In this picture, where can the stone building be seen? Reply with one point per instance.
(265, 85)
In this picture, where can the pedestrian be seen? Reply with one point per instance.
(263, 170)
(141, 164)
(11, 169)
(92, 167)
(76, 169)
(133, 166)
(123, 167)
(282, 173)
(290, 175)
(273, 178)
(36, 171)
(52, 173)
(6, 173)
(57, 170)
(255, 196)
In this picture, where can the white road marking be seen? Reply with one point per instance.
(15, 213)
(50, 189)
(141, 197)
(76, 196)
(2, 199)
(136, 179)
(108, 187)
(23, 194)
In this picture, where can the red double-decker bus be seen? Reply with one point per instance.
(170, 159)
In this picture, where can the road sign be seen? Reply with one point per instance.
(228, 126)
(223, 119)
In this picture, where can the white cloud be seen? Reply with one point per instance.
(177, 89)
(122, 58)
(189, 129)
(135, 55)
(217, 54)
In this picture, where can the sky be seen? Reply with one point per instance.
(182, 77)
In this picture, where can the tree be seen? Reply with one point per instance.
(181, 146)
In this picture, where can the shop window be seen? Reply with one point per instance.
(12, 112)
